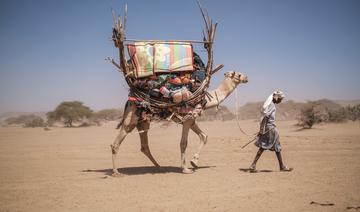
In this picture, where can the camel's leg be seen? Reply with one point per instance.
(129, 123)
(143, 127)
(203, 139)
(183, 144)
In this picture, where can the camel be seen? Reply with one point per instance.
(131, 117)
(131, 120)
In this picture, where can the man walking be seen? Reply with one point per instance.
(268, 136)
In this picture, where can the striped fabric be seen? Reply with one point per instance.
(173, 57)
(141, 55)
(160, 58)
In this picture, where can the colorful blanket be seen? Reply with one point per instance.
(142, 56)
(161, 57)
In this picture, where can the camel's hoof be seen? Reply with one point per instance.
(194, 162)
(116, 174)
(187, 171)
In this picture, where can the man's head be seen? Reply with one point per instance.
(278, 96)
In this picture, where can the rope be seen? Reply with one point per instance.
(253, 138)
(237, 113)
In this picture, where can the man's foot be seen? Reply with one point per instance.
(116, 174)
(187, 171)
(286, 169)
(252, 169)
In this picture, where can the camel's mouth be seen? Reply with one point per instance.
(244, 79)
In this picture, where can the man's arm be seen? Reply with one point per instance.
(263, 125)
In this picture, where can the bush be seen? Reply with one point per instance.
(353, 113)
(338, 115)
(309, 116)
(345, 113)
(106, 115)
(36, 122)
(26, 121)
(312, 114)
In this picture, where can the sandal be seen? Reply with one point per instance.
(252, 170)
(286, 169)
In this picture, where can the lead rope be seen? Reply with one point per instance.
(237, 113)
(253, 137)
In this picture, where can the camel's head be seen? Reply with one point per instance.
(236, 77)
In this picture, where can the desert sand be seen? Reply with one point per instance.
(69, 170)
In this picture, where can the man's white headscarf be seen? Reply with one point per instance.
(275, 94)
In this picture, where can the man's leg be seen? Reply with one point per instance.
(281, 164)
(258, 154)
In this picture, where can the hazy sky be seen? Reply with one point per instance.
(51, 51)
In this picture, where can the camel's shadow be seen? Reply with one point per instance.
(141, 170)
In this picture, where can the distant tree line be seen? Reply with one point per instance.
(26, 121)
(67, 113)
(75, 113)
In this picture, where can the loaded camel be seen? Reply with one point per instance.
(132, 118)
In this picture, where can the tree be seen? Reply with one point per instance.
(68, 112)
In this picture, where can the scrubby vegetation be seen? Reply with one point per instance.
(313, 113)
(26, 121)
(346, 113)
(310, 115)
(106, 115)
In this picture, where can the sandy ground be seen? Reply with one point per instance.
(69, 170)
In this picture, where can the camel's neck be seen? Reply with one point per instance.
(226, 87)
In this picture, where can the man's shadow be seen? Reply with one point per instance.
(254, 171)
(141, 170)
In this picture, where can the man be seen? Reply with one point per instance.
(268, 136)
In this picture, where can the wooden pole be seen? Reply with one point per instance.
(167, 41)
(217, 69)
